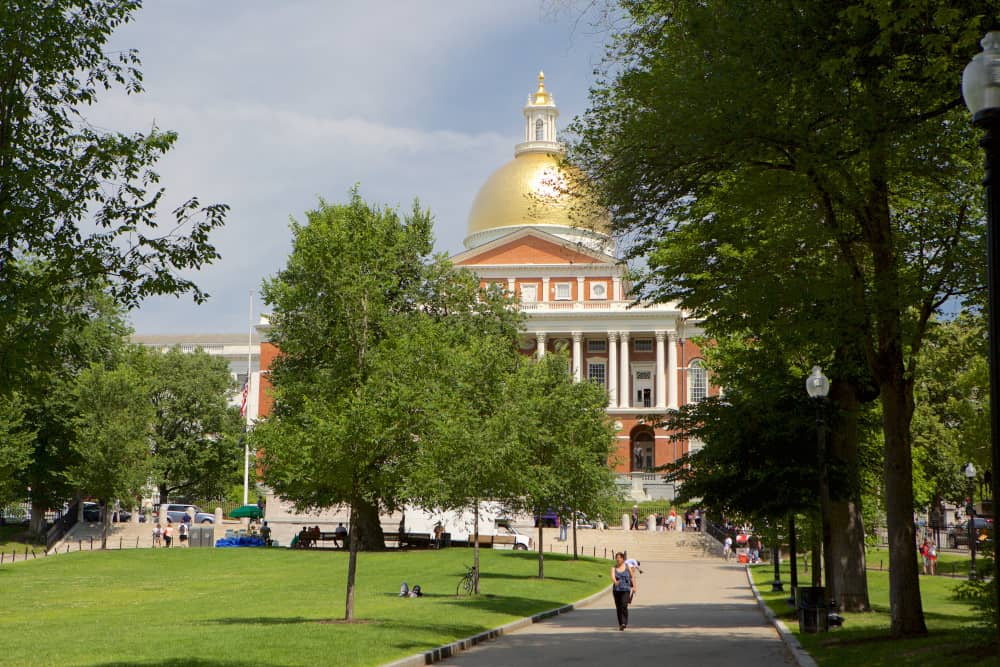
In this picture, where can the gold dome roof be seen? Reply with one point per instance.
(533, 189)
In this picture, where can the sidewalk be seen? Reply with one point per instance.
(696, 611)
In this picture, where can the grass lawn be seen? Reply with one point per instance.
(953, 638)
(15, 538)
(265, 606)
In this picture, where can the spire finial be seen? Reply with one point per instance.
(541, 96)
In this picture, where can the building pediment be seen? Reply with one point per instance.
(530, 246)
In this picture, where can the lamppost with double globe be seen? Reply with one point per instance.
(970, 510)
(981, 90)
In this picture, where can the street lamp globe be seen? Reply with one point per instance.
(981, 78)
(969, 470)
(816, 384)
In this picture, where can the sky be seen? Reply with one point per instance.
(280, 103)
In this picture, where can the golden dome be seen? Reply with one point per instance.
(534, 190)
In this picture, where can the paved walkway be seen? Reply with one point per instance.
(691, 609)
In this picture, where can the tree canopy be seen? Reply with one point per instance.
(832, 135)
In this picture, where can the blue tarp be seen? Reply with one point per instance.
(245, 541)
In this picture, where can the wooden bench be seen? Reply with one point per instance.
(410, 540)
(340, 541)
(491, 541)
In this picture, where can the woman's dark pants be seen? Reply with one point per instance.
(621, 606)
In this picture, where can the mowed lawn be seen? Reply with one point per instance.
(265, 606)
(954, 629)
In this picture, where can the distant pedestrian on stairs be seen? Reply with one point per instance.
(623, 588)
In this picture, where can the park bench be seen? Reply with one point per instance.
(410, 540)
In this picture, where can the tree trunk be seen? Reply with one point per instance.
(475, 551)
(904, 584)
(352, 564)
(541, 549)
(105, 524)
(574, 538)
(848, 578)
(365, 520)
(37, 528)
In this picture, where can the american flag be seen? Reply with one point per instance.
(243, 404)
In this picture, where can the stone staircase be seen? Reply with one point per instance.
(638, 544)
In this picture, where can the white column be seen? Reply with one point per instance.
(545, 289)
(577, 356)
(625, 387)
(510, 285)
(616, 289)
(661, 371)
(612, 374)
(579, 289)
(672, 370)
(540, 337)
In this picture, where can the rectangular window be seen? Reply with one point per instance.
(564, 291)
(529, 293)
(643, 345)
(597, 345)
(596, 373)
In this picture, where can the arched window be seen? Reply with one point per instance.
(642, 451)
(697, 381)
(539, 130)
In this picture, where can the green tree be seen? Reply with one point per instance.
(951, 414)
(112, 429)
(79, 328)
(195, 439)
(361, 314)
(79, 198)
(562, 436)
(16, 444)
(463, 458)
(848, 117)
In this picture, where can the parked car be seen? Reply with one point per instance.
(959, 535)
(92, 512)
(175, 513)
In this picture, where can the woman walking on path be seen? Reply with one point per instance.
(623, 588)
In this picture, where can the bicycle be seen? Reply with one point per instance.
(467, 583)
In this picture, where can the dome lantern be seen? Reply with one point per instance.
(540, 115)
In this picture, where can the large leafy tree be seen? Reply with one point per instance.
(112, 427)
(78, 211)
(83, 199)
(951, 414)
(79, 328)
(15, 448)
(365, 319)
(563, 439)
(464, 456)
(195, 437)
(846, 115)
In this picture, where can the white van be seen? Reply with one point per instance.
(494, 531)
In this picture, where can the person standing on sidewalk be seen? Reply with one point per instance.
(623, 588)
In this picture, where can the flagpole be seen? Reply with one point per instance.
(246, 424)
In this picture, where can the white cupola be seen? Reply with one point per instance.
(540, 115)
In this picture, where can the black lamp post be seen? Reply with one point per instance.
(776, 585)
(818, 387)
(793, 576)
(970, 511)
(981, 90)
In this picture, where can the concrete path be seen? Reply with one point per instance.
(694, 610)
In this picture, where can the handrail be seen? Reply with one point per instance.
(62, 525)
